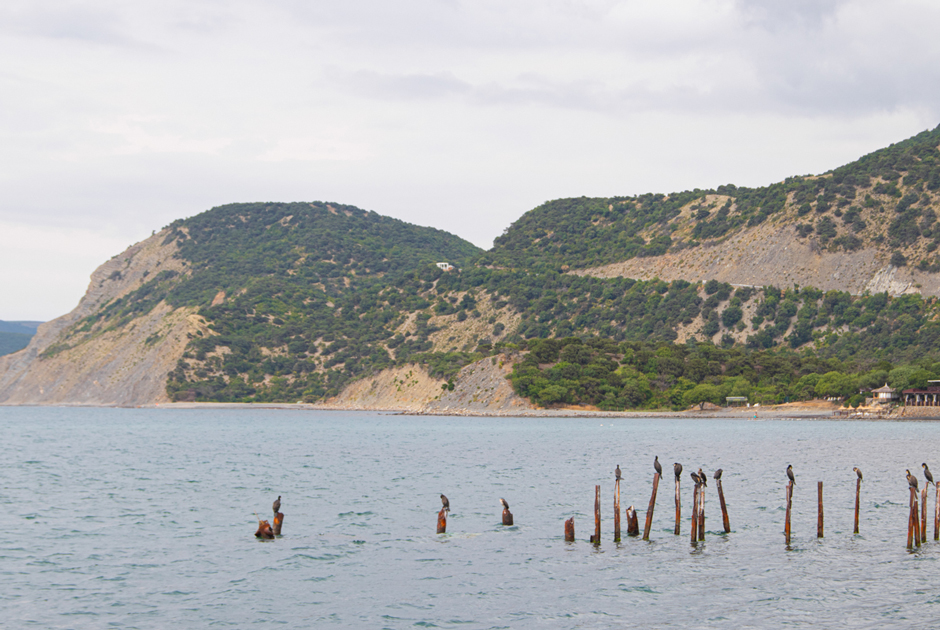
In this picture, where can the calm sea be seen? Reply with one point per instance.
(144, 518)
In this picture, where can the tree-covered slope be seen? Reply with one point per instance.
(888, 200)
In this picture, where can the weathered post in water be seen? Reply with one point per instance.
(701, 508)
(677, 467)
(858, 492)
(617, 509)
(278, 520)
(721, 499)
(694, 526)
(786, 527)
(910, 522)
(915, 515)
(264, 530)
(819, 516)
(507, 515)
(442, 521)
(596, 538)
(569, 530)
(649, 512)
(633, 525)
(923, 514)
(936, 515)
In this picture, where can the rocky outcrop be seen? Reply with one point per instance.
(772, 254)
(121, 366)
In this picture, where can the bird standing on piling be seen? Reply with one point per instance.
(658, 466)
(858, 472)
(790, 474)
(717, 474)
(617, 472)
(912, 480)
(276, 506)
(696, 479)
(927, 473)
(677, 468)
(505, 505)
(703, 477)
(445, 503)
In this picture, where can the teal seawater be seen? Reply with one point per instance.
(144, 518)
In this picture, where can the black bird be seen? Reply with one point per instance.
(276, 506)
(858, 472)
(505, 505)
(717, 474)
(658, 466)
(696, 478)
(927, 473)
(790, 474)
(446, 503)
(912, 480)
(677, 467)
(703, 477)
(617, 472)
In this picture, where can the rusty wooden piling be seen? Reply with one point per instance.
(694, 526)
(442, 521)
(678, 507)
(915, 516)
(724, 508)
(649, 512)
(936, 515)
(596, 538)
(617, 510)
(910, 522)
(923, 514)
(569, 530)
(507, 517)
(858, 492)
(633, 525)
(819, 513)
(786, 527)
(701, 512)
(278, 520)
(264, 530)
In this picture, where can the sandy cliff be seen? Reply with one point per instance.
(124, 366)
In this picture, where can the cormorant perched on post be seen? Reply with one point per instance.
(617, 472)
(505, 505)
(703, 477)
(717, 474)
(276, 506)
(790, 474)
(658, 466)
(446, 503)
(696, 479)
(677, 467)
(858, 472)
(927, 473)
(912, 480)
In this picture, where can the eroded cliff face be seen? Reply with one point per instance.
(772, 254)
(127, 365)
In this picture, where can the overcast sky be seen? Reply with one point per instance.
(117, 118)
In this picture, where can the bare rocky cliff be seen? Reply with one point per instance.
(124, 366)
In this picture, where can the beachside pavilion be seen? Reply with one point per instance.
(929, 397)
(884, 394)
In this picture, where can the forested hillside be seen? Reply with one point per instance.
(886, 200)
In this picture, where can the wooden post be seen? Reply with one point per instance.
(617, 511)
(910, 522)
(936, 515)
(678, 507)
(264, 530)
(923, 514)
(278, 519)
(819, 516)
(694, 526)
(701, 512)
(507, 517)
(724, 509)
(569, 530)
(786, 527)
(649, 512)
(596, 538)
(915, 516)
(633, 525)
(442, 521)
(858, 491)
